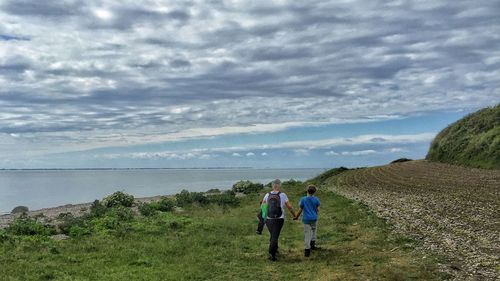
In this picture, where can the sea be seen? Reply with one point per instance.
(39, 189)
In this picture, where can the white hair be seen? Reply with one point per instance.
(276, 183)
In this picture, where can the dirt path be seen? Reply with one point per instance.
(455, 211)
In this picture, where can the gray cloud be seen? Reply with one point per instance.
(105, 66)
(48, 8)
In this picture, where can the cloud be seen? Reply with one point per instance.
(236, 154)
(75, 72)
(169, 155)
(250, 154)
(300, 151)
(263, 154)
(359, 153)
(396, 150)
(304, 147)
(331, 153)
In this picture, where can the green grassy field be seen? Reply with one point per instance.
(214, 243)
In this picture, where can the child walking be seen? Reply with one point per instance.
(310, 206)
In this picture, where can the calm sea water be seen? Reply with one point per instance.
(49, 188)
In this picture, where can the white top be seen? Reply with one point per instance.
(283, 200)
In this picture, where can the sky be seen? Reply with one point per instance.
(278, 84)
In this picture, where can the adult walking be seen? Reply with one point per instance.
(276, 201)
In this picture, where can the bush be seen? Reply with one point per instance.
(19, 210)
(225, 199)
(97, 209)
(183, 198)
(200, 198)
(122, 213)
(247, 187)
(4, 236)
(165, 204)
(119, 199)
(292, 184)
(186, 198)
(79, 231)
(68, 221)
(213, 190)
(400, 160)
(146, 209)
(28, 226)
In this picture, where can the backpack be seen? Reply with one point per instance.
(274, 206)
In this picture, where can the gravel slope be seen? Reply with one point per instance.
(454, 210)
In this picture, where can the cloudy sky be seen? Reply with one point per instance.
(238, 83)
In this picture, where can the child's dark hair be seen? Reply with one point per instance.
(311, 189)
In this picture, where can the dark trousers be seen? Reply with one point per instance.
(262, 222)
(274, 226)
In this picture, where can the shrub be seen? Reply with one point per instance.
(225, 199)
(146, 209)
(165, 204)
(97, 209)
(4, 236)
(121, 213)
(213, 190)
(292, 184)
(79, 231)
(184, 198)
(247, 187)
(19, 210)
(200, 198)
(68, 221)
(119, 199)
(400, 160)
(27, 226)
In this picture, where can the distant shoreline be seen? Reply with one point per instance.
(124, 169)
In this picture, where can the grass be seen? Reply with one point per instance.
(214, 243)
(472, 141)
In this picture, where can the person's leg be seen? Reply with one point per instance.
(279, 226)
(307, 236)
(260, 226)
(274, 226)
(314, 227)
(270, 223)
(307, 239)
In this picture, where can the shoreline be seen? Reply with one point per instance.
(77, 209)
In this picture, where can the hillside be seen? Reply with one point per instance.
(453, 210)
(473, 141)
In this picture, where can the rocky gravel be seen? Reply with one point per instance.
(454, 211)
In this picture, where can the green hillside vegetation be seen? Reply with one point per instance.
(473, 141)
(212, 237)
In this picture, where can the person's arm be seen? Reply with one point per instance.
(290, 208)
(298, 214)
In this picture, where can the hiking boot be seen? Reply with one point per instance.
(313, 245)
(307, 252)
(272, 257)
(258, 232)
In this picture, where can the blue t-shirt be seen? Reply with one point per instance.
(310, 205)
